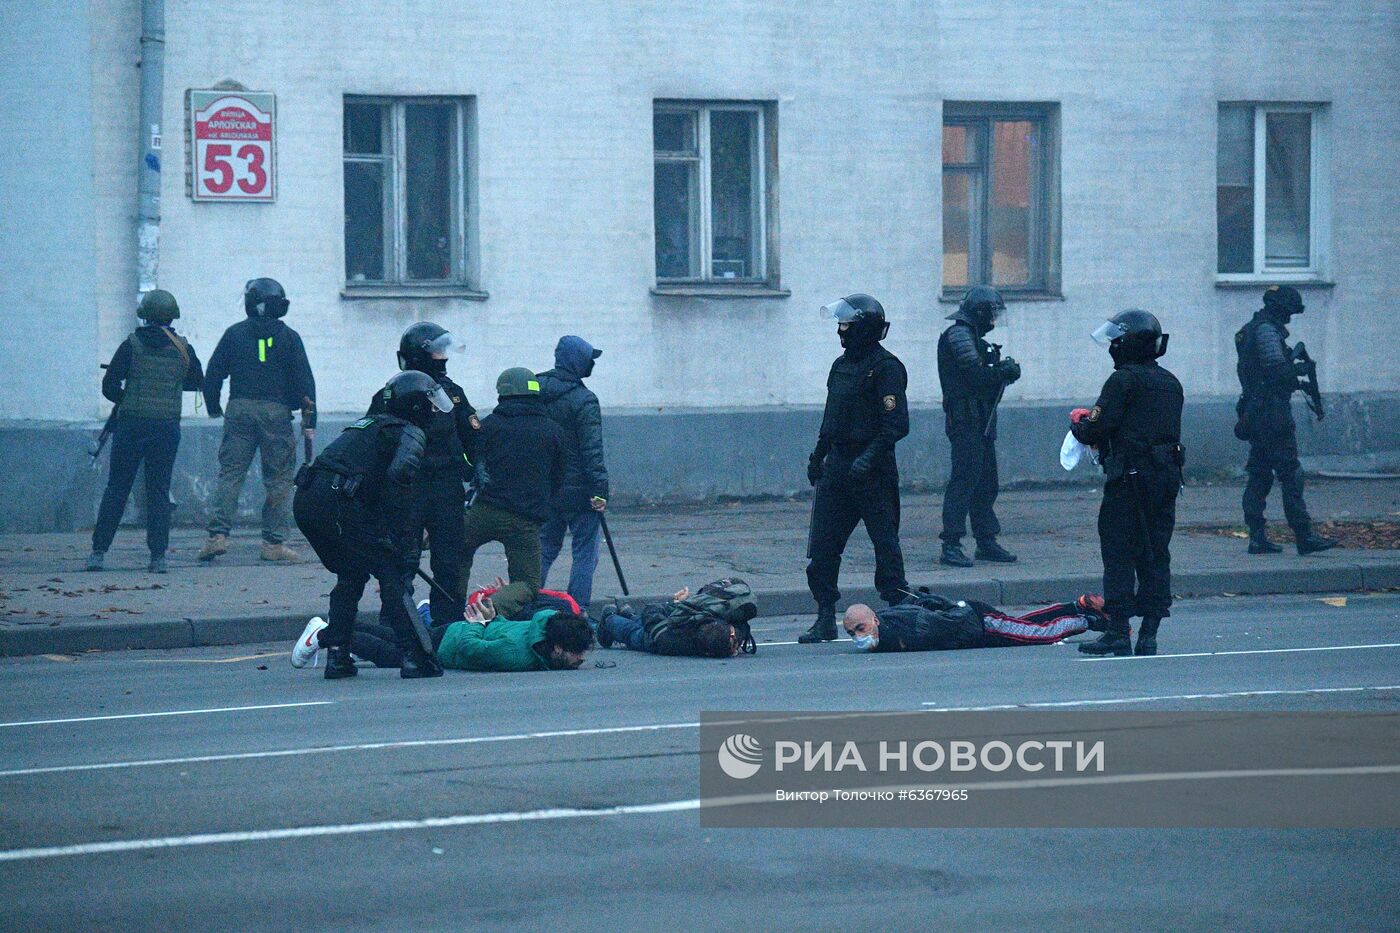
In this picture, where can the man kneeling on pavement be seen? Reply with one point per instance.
(714, 623)
(928, 622)
(551, 639)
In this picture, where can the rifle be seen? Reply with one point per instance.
(1307, 368)
(96, 450)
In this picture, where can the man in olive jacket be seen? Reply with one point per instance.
(550, 641)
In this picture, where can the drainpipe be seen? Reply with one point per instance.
(148, 177)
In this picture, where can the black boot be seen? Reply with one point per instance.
(1147, 637)
(991, 551)
(418, 663)
(1259, 542)
(1117, 641)
(1310, 542)
(824, 629)
(954, 556)
(339, 664)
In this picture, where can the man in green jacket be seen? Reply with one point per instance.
(550, 641)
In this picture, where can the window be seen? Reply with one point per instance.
(406, 191)
(713, 174)
(1000, 198)
(1267, 198)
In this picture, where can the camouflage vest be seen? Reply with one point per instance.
(154, 382)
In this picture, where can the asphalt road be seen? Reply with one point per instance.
(437, 787)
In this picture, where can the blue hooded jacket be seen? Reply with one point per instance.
(574, 407)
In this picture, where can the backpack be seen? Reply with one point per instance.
(729, 600)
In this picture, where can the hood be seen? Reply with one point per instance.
(574, 356)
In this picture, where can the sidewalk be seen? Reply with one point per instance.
(49, 605)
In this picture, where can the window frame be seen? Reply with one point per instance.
(1319, 215)
(394, 159)
(1044, 253)
(763, 209)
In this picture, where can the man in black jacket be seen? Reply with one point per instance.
(929, 622)
(438, 495)
(1136, 425)
(269, 378)
(354, 504)
(519, 468)
(1268, 378)
(973, 376)
(853, 466)
(583, 496)
(144, 380)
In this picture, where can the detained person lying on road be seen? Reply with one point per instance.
(928, 622)
(714, 623)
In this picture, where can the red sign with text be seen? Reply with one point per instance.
(233, 146)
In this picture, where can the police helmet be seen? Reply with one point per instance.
(864, 315)
(414, 396)
(1283, 299)
(264, 298)
(980, 307)
(158, 306)
(422, 340)
(1133, 335)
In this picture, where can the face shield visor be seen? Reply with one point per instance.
(1108, 332)
(438, 396)
(841, 310)
(444, 345)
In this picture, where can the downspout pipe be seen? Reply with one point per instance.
(148, 169)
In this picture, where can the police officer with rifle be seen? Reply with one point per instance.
(1270, 372)
(355, 506)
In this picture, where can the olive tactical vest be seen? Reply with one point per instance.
(154, 382)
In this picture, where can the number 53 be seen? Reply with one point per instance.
(217, 162)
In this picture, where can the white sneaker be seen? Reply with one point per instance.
(308, 649)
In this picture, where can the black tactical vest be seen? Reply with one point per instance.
(853, 406)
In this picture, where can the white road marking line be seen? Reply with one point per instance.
(359, 747)
(176, 712)
(1213, 654)
(670, 806)
(346, 829)
(1051, 704)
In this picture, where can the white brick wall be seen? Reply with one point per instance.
(564, 94)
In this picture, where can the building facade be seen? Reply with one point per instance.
(685, 184)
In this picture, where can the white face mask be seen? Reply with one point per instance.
(866, 642)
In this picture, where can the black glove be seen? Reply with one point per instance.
(1010, 370)
(861, 466)
(814, 469)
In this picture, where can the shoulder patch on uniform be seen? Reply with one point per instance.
(889, 402)
(362, 423)
(475, 422)
(1094, 413)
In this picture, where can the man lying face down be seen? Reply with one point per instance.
(929, 622)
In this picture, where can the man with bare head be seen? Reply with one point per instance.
(930, 622)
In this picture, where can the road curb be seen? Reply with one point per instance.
(75, 638)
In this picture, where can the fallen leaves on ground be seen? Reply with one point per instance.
(1377, 535)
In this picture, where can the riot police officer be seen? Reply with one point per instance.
(853, 466)
(1136, 425)
(973, 375)
(439, 498)
(1268, 378)
(354, 505)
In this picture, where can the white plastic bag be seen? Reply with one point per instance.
(1072, 451)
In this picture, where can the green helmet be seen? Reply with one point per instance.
(517, 381)
(158, 306)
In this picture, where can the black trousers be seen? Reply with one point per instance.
(1273, 451)
(351, 543)
(152, 441)
(1136, 520)
(840, 504)
(972, 484)
(439, 504)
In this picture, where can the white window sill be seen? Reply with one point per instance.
(464, 292)
(956, 297)
(719, 290)
(1264, 281)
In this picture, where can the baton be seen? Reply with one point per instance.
(992, 418)
(607, 536)
(433, 583)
